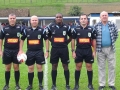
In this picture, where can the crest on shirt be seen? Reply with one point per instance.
(39, 36)
(89, 34)
(18, 34)
(64, 33)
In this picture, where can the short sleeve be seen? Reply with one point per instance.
(24, 35)
(2, 34)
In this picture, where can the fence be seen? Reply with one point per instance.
(55, 1)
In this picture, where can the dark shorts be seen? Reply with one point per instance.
(61, 53)
(35, 57)
(10, 56)
(84, 54)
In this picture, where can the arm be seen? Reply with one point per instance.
(2, 35)
(69, 34)
(47, 48)
(73, 48)
(21, 47)
(1, 42)
(115, 32)
(22, 42)
(94, 47)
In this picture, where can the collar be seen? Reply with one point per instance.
(12, 26)
(82, 27)
(35, 29)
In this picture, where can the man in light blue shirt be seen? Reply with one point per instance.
(107, 34)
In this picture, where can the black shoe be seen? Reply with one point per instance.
(90, 87)
(101, 87)
(17, 87)
(53, 87)
(67, 87)
(112, 87)
(76, 87)
(29, 87)
(6, 87)
(41, 87)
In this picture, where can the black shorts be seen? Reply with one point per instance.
(61, 53)
(10, 56)
(84, 54)
(35, 57)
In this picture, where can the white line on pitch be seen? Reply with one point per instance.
(45, 75)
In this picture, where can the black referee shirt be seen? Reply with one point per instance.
(12, 36)
(58, 34)
(34, 38)
(83, 36)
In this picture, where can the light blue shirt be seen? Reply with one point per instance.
(106, 39)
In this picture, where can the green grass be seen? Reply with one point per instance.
(47, 7)
(53, 1)
(60, 75)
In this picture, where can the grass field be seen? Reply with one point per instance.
(60, 75)
(48, 7)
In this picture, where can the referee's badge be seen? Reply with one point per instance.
(39, 36)
(64, 33)
(18, 34)
(89, 34)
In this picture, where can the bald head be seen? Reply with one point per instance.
(104, 17)
(34, 21)
(103, 12)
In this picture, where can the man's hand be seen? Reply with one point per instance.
(46, 55)
(20, 52)
(94, 54)
(74, 54)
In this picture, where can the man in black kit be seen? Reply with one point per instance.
(58, 33)
(35, 54)
(11, 34)
(85, 37)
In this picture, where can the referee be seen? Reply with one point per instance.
(85, 37)
(58, 33)
(35, 54)
(11, 36)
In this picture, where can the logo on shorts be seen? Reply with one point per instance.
(89, 34)
(68, 61)
(43, 62)
(91, 60)
(18, 34)
(39, 36)
(64, 33)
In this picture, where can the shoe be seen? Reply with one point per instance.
(41, 87)
(76, 87)
(6, 87)
(29, 87)
(90, 87)
(101, 87)
(53, 87)
(112, 87)
(17, 87)
(67, 87)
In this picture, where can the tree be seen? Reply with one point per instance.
(75, 11)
